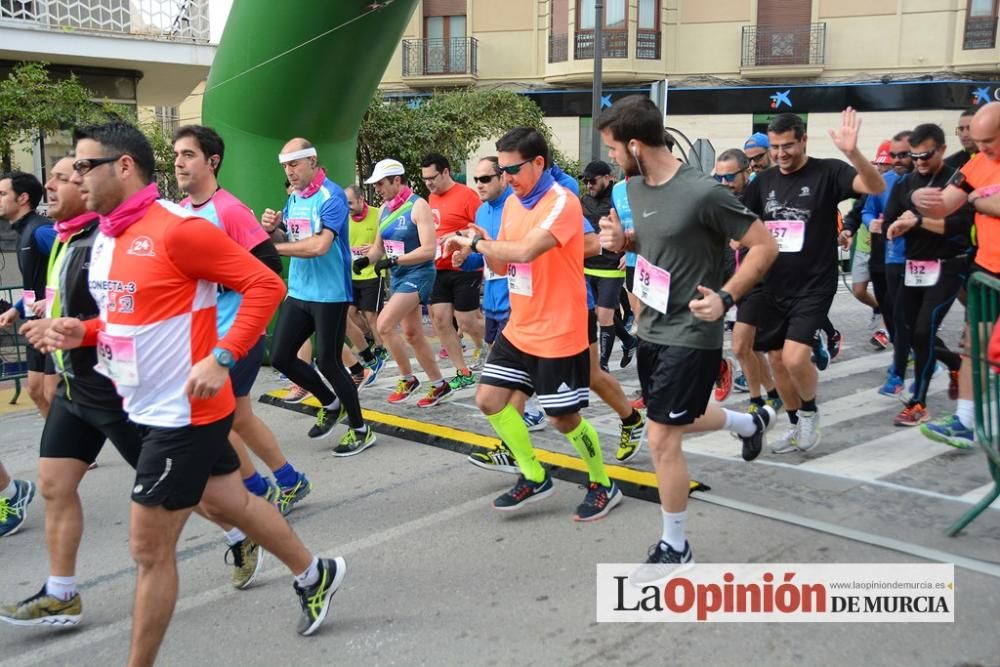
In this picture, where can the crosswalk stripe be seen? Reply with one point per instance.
(880, 457)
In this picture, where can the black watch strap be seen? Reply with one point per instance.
(727, 299)
(475, 241)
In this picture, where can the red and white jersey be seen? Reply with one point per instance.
(155, 286)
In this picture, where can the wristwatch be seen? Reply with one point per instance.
(727, 299)
(920, 221)
(224, 357)
(475, 240)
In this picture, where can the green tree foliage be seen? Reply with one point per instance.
(450, 123)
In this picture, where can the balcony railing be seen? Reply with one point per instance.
(426, 57)
(980, 32)
(558, 48)
(178, 20)
(647, 45)
(784, 45)
(615, 44)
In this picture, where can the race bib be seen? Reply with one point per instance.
(922, 273)
(116, 359)
(357, 252)
(50, 297)
(651, 284)
(393, 249)
(299, 228)
(519, 279)
(789, 234)
(28, 300)
(490, 274)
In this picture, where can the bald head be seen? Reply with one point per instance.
(299, 171)
(296, 144)
(985, 130)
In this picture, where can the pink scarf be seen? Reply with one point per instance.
(400, 198)
(129, 211)
(66, 228)
(364, 214)
(315, 185)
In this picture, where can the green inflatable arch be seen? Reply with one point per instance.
(304, 68)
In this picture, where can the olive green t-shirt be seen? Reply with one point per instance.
(683, 227)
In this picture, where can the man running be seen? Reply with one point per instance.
(198, 155)
(153, 274)
(369, 289)
(319, 295)
(798, 201)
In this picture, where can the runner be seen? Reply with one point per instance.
(799, 202)
(958, 159)
(369, 291)
(15, 495)
(20, 194)
(686, 221)
(319, 295)
(405, 246)
(544, 347)
(757, 148)
(152, 275)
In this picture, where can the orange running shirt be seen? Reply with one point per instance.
(548, 297)
(453, 211)
(983, 174)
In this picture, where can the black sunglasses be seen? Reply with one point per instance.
(485, 179)
(514, 169)
(587, 180)
(901, 155)
(83, 166)
(727, 178)
(757, 158)
(927, 155)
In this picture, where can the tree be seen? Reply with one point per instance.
(450, 123)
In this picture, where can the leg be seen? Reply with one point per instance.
(743, 339)
(58, 481)
(36, 391)
(672, 478)
(795, 359)
(295, 325)
(257, 436)
(398, 306)
(861, 293)
(442, 315)
(331, 324)
(413, 330)
(607, 387)
(783, 382)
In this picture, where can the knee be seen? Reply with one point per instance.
(149, 550)
(742, 347)
(36, 391)
(664, 451)
(413, 336)
(488, 403)
(54, 490)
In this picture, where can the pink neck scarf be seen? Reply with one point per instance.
(129, 211)
(364, 214)
(314, 186)
(400, 198)
(66, 228)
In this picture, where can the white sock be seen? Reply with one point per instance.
(61, 588)
(966, 412)
(675, 529)
(362, 430)
(740, 423)
(234, 536)
(310, 576)
(10, 491)
(532, 406)
(333, 407)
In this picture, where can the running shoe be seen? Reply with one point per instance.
(43, 609)
(753, 444)
(663, 562)
(834, 344)
(893, 386)
(776, 403)
(404, 389)
(315, 599)
(809, 430)
(463, 380)
(294, 494)
(13, 511)
(443, 354)
(788, 442)
(912, 415)
(740, 383)
(360, 380)
(820, 353)
(325, 422)
(436, 394)
(628, 354)
(247, 560)
(295, 394)
(630, 439)
(949, 431)
(598, 502)
(500, 459)
(953, 385)
(879, 340)
(382, 353)
(375, 367)
(535, 421)
(524, 493)
(354, 442)
(479, 356)
(273, 493)
(724, 383)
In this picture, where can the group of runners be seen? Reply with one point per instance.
(147, 318)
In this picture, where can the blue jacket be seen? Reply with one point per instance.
(496, 297)
(895, 250)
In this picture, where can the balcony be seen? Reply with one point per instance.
(172, 20)
(792, 50)
(440, 62)
(647, 45)
(980, 33)
(558, 48)
(615, 44)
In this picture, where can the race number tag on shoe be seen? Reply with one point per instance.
(519, 279)
(651, 284)
(393, 248)
(299, 228)
(116, 359)
(922, 273)
(789, 234)
(28, 300)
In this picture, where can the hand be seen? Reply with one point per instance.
(845, 239)
(846, 138)
(270, 219)
(474, 229)
(360, 264)
(65, 333)
(459, 256)
(458, 243)
(38, 308)
(708, 307)
(901, 225)
(875, 226)
(927, 199)
(34, 331)
(385, 263)
(734, 245)
(7, 318)
(612, 234)
(206, 378)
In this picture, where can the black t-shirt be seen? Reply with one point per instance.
(922, 243)
(958, 160)
(811, 195)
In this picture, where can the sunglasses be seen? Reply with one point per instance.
(927, 155)
(901, 155)
(725, 178)
(83, 166)
(514, 169)
(587, 180)
(757, 158)
(485, 179)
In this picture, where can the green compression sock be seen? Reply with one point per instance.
(509, 425)
(584, 439)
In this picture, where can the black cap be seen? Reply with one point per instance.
(597, 168)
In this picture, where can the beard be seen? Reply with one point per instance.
(630, 165)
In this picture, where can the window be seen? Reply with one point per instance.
(647, 38)
(615, 29)
(168, 118)
(20, 10)
(558, 31)
(980, 25)
(615, 15)
(445, 44)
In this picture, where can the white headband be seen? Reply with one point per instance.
(296, 155)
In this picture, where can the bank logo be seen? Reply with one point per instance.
(781, 98)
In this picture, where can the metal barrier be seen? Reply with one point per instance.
(984, 308)
(13, 362)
